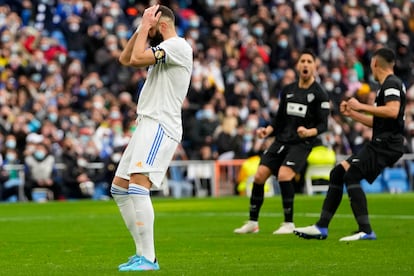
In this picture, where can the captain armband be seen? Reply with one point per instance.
(159, 54)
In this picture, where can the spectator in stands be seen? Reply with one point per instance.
(73, 178)
(227, 139)
(204, 128)
(73, 28)
(10, 180)
(336, 88)
(106, 58)
(303, 114)
(40, 171)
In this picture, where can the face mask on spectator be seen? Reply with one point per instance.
(376, 27)
(258, 31)
(97, 105)
(39, 155)
(44, 47)
(114, 12)
(74, 27)
(194, 35)
(84, 139)
(62, 59)
(115, 115)
(194, 23)
(116, 157)
(306, 32)
(329, 85)
(208, 114)
(2, 19)
(108, 25)
(122, 34)
(5, 38)
(336, 76)
(112, 47)
(11, 157)
(382, 39)
(197, 85)
(252, 124)
(353, 20)
(283, 43)
(36, 77)
(248, 137)
(52, 69)
(52, 117)
(353, 78)
(11, 144)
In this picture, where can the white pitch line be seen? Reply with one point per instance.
(205, 214)
(266, 214)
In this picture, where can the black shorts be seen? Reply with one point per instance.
(294, 156)
(378, 154)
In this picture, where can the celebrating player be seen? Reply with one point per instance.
(386, 118)
(302, 115)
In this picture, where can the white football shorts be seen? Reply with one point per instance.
(149, 151)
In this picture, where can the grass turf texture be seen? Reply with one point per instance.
(195, 237)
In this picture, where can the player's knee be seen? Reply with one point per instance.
(262, 174)
(285, 174)
(337, 175)
(353, 176)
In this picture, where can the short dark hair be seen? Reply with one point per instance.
(308, 51)
(166, 12)
(386, 54)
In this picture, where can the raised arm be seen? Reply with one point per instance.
(136, 53)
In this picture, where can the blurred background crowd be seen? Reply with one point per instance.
(65, 99)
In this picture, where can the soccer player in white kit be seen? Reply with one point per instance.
(159, 127)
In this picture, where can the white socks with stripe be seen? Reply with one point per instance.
(126, 207)
(144, 212)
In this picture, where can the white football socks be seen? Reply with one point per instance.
(144, 218)
(127, 209)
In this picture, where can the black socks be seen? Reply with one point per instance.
(288, 194)
(333, 197)
(256, 201)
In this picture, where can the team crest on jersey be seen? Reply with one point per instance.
(311, 97)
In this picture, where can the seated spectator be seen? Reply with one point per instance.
(40, 171)
(227, 139)
(76, 183)
(9, 175)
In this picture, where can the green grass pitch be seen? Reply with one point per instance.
(195, 237)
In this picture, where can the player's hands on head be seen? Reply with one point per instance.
(151, 16)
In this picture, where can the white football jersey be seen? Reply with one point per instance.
(167, 84)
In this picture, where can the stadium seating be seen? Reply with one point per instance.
(321, 160)
(375, 187)
(396, 180)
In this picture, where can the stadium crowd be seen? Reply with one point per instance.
(65, 99)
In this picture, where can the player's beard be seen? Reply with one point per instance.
(156, 39)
